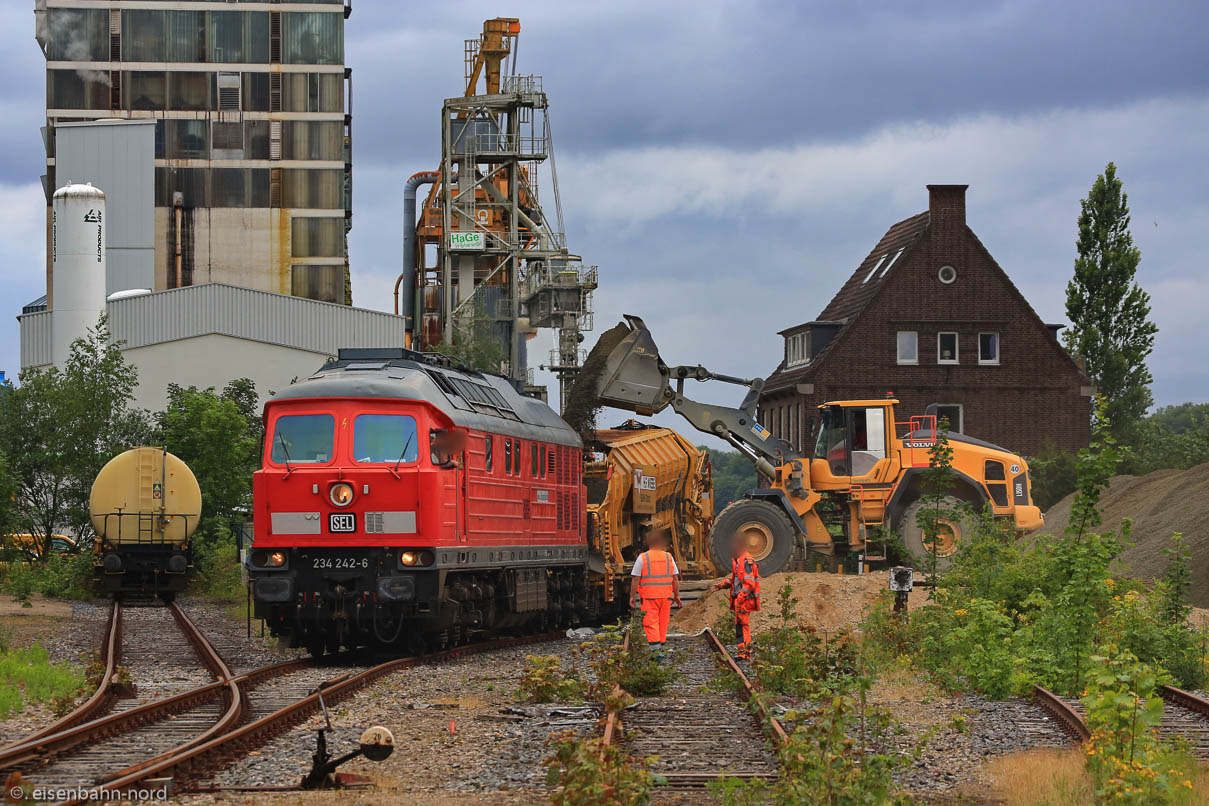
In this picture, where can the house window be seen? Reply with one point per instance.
(908, 347)
(797, 348)
(951, 412)
(988, 348)
(946, 348)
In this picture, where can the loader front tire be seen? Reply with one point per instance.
(954, 528)
(770, 535)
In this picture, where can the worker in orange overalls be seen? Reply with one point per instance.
(744, 584)
(655, 581)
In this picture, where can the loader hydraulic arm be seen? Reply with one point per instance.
(636, 379)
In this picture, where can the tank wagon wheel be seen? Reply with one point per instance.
(954, 527)
(770, 535)
(314, 646)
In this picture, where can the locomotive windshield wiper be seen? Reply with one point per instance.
(286, 453)
(406, 445)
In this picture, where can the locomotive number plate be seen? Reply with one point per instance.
(342, 522)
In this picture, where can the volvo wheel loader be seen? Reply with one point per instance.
(865, 461)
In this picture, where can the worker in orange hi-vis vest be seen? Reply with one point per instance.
(744, 584)
(655, 582)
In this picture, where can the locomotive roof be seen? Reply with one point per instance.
(470, 399)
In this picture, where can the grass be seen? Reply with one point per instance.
(1049, 777)
(27, 675)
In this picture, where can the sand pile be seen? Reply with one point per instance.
(1160, 504)
(827, 601)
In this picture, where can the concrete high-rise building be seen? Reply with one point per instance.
(252, 144)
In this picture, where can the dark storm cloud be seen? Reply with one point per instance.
(727, 164)
(756, 74)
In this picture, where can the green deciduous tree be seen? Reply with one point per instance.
(60, 427)
(733, 473)
(475, 343)
(213, 434)
(1110, 331)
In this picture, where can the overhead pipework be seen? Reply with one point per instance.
(486, 258)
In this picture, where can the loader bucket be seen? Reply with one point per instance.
(635, 377)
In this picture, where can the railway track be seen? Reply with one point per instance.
(698, 734)
(1185, 716)
(183, 737)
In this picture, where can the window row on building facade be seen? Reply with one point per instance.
(949, 348)
(308, 188)
(195, 91)
(220, 37)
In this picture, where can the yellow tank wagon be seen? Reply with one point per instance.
(145, 505)
(638, 477)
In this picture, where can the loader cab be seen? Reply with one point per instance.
(853, 443)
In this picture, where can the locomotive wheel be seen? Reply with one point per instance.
(954, 526)
(769, 532)
(314, 646)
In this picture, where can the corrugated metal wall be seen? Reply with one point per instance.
(242, 313)
(181, 313)
(119, 158)
(35, 339)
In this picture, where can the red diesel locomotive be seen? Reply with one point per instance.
(404, 501)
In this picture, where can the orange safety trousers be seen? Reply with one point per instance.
(655, 616)
(743, 633)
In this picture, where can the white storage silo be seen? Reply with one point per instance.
(78, 265)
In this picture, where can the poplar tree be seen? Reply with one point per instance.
(1111, 332)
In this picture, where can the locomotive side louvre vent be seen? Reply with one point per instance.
(373, 523)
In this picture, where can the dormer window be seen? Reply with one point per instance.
(797, 349)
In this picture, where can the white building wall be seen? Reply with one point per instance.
(216, 360)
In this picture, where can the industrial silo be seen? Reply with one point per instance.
(77, 265)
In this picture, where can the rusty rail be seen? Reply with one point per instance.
(101, 699)
(190, 760)
(1185, 699)
(1068, 718)
(782, 738)
(610, 730)
(748, 689)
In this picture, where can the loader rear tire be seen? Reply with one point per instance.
(771, 535)
(955, 528)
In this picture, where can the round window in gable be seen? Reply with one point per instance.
(947, 275)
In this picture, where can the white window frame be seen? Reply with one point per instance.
(956, 359)
(957, 427)
(990, 362)
(898, 348)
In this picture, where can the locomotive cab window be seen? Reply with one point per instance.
(507, 457)
(387, 438)
(488, 450)
(303, 439)
(533, 460)
(446, 445)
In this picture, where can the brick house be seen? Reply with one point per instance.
(931, 318)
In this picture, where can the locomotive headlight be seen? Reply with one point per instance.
(341, 494)
(276, 559)
(415, 557)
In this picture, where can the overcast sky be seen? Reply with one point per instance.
(727, 165)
